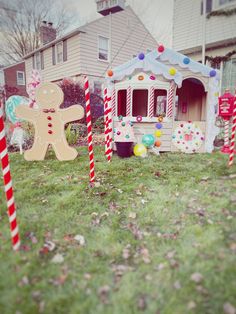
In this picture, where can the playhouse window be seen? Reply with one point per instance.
(160, 102)
(140, 102)
(121, 102)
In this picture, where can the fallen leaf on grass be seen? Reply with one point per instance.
(145, 255)
(229, 308)
(191, 305)
(197, 277)
(232, 247)
(48, 246)
(142, 303)
(132, 215)
(135, 231)
(24, 281)
(57, 259)
(177, 285)
(103, 293)
(80, 239)
(126, 252)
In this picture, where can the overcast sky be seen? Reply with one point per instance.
(155, 14)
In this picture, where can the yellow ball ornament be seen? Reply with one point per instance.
(140, 150)
(172, 71)
(158, 133)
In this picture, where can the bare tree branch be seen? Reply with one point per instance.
(22, 22)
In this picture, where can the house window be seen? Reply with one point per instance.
(224, 2)
(229, 75)
(20, 77)
(160, 102)
(59, 52)
(140, 102)
(38, 61)
(113, 2)
(208, 6)
(121, 102)
(103, 44)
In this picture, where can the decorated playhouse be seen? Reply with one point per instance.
(166, 91)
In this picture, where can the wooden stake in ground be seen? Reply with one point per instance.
(89, 128)
(232, 142)
(8, 186)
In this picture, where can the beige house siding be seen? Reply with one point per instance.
(67, 68)
(187, 29)
(129, 37)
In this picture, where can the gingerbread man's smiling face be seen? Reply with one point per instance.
(49, 95)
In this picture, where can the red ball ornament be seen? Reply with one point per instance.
(161, 48)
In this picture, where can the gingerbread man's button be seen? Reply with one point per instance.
(49, 118)
(50, 132)
(50, 125)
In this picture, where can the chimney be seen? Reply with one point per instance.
(47, 32)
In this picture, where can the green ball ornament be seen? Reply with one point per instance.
(148, 140)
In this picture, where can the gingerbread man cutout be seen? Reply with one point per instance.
(49, 121)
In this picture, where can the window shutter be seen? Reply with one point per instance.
(33, 61)
(65, 50)
(53, 55)
(42, 60)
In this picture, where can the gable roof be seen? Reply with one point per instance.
(162, 63)
(81, 29)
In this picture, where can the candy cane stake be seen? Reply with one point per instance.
(89, 128)
(232, 142)
(128, 102)
(170, 100)
(8, 186)
(107, 124)
(151, 103)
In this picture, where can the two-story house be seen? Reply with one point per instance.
(215, 30)
(92, 49)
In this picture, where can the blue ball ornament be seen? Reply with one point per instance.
(186, 60)
(158, 126)
(141, 56)
(212, 73)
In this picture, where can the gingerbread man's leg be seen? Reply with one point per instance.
(37, 152)
(63, 151)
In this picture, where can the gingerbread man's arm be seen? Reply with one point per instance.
(75, 112)
(26, 113)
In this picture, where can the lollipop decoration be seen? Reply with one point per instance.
(34, 81)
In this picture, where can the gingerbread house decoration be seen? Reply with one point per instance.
(166, 86)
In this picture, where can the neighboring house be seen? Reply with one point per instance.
(86, 50)
(14, 80)
(220, 34)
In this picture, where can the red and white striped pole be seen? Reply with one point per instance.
(8, 186)
(151, 103)
(109, 130)
(232, 142)
(113, 102)
(128, 102)
(107, 125)
(170, 100)
(89, 128)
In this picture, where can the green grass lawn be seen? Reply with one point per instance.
(160, 236)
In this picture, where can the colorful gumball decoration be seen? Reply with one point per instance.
(158, 126)
(158, 133)
(158, 143)
(139, 118)
(110, 73)
(186, 60)
(148, 140)
(160, 118)
(141, 56)
(140, 150)
(140, 77)
(161, 48)
(172, 71)
(212, 73)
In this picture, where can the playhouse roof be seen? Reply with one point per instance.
(162, 62)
